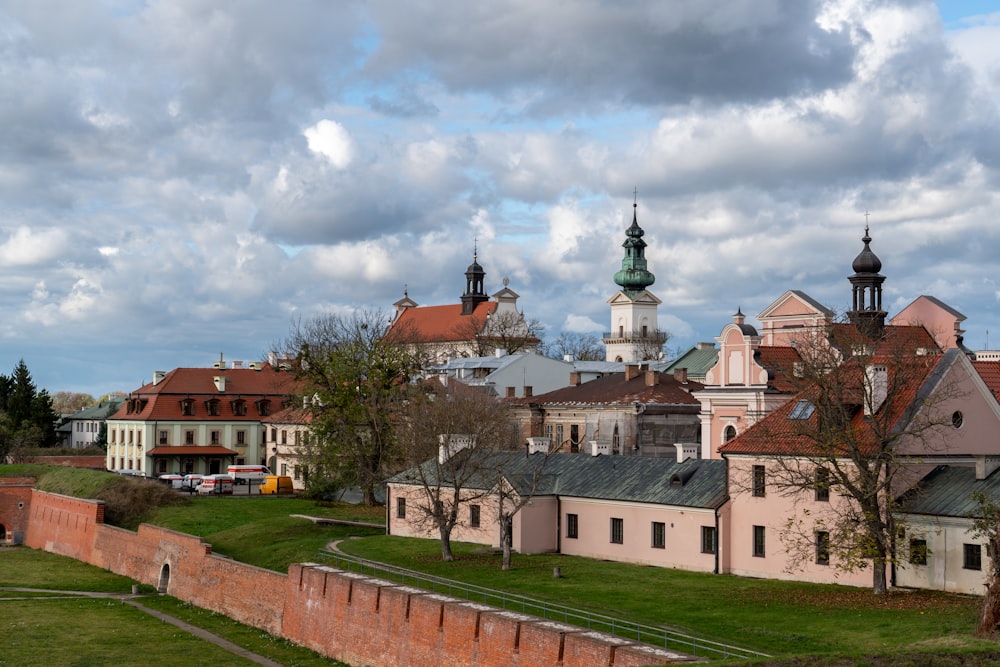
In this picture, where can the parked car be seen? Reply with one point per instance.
(191, 482)
(274, 484)
(245, 474)
(173, 480)
(215, 484)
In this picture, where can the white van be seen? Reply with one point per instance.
(245, 474)
(173, 480)
(216, 484)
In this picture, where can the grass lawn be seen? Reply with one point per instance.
(775, 617)
(45, 630)
(260, 529)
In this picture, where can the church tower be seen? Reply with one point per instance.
(474, 291)
(634, 335)
(866, 310)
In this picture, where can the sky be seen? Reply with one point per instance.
(184, 178)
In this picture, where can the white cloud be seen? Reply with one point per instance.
(331, 140)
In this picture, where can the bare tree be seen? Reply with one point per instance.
(509, 331)
(987, 526)
(651, 343)
(581, 347)
(357, 384)
(864, 406)
(510, 496)
(455, 435)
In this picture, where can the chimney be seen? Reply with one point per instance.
(510, 392)
(237, 364)
(876, 387)
(686, 450)
(574, 378)
(528, 391)
(631, 371)
(568, 358)
(705, 346)
(158, 377)
(651, 378)
(538, 445)
(451, 445)
(272, 359)
(500, 352)
(598, 448)
(681, 375)
(220, 382)
(985, 465)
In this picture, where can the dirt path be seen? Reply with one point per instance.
(132, 600)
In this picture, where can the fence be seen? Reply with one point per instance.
(647, 634)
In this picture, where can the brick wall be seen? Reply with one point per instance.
(353, 618)
(15, 508)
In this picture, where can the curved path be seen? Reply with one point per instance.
(132, 600)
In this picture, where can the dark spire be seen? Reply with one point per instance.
(633, 277)
(475, 277)
(866, 312)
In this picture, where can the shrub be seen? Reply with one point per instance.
(129, 501)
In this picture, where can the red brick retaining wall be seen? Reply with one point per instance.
(347, 616)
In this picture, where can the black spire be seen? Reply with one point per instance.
(866, 312)
(475, 277)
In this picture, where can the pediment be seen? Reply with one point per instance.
(795, 303)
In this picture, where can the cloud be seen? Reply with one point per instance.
(331, 140)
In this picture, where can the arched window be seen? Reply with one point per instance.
(729, 433)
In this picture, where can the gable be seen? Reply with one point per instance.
(795, 303)
(942, 321)
(439, 324)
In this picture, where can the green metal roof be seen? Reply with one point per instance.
(947, 491)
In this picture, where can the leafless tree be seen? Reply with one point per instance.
(453, 435)
(987, 526)
(508, 331)
(581, 347)
(864, 406)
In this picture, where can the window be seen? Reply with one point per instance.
(474, 516)
(572, 526)
(972, 557)
(802, 410)
(617, 531)
(918, 551)
(758, 541)
(559, 435)
(163, 437)
(161, 466)
(659, 535)
(274, 435)
(708, 539)
(284, 437)
(215, 437)
(187, 407)
(574, 438)
(957, 419)
(822, 547)
(400, 508)
(188, 437)
(212, 407)
(284, 469)
(729, 433)
(758, 481)
(239, 407)
(822, 484)
(263, 407)
(297, 471)
(241, 438)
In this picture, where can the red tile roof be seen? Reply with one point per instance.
(615, 389)
(439, 324)
(162, 401)
(780, 361)
(990, 372)
(777, 434)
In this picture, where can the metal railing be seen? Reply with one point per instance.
(668, 639)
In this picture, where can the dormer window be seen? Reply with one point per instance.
(239, 407)
(187, 407)
(212, 407)
(263, 407)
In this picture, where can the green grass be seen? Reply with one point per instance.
(774, 617)
(261, 531)
(84, 632)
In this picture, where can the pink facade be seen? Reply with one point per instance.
(943, 322)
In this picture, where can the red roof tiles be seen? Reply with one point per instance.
(439, 324)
